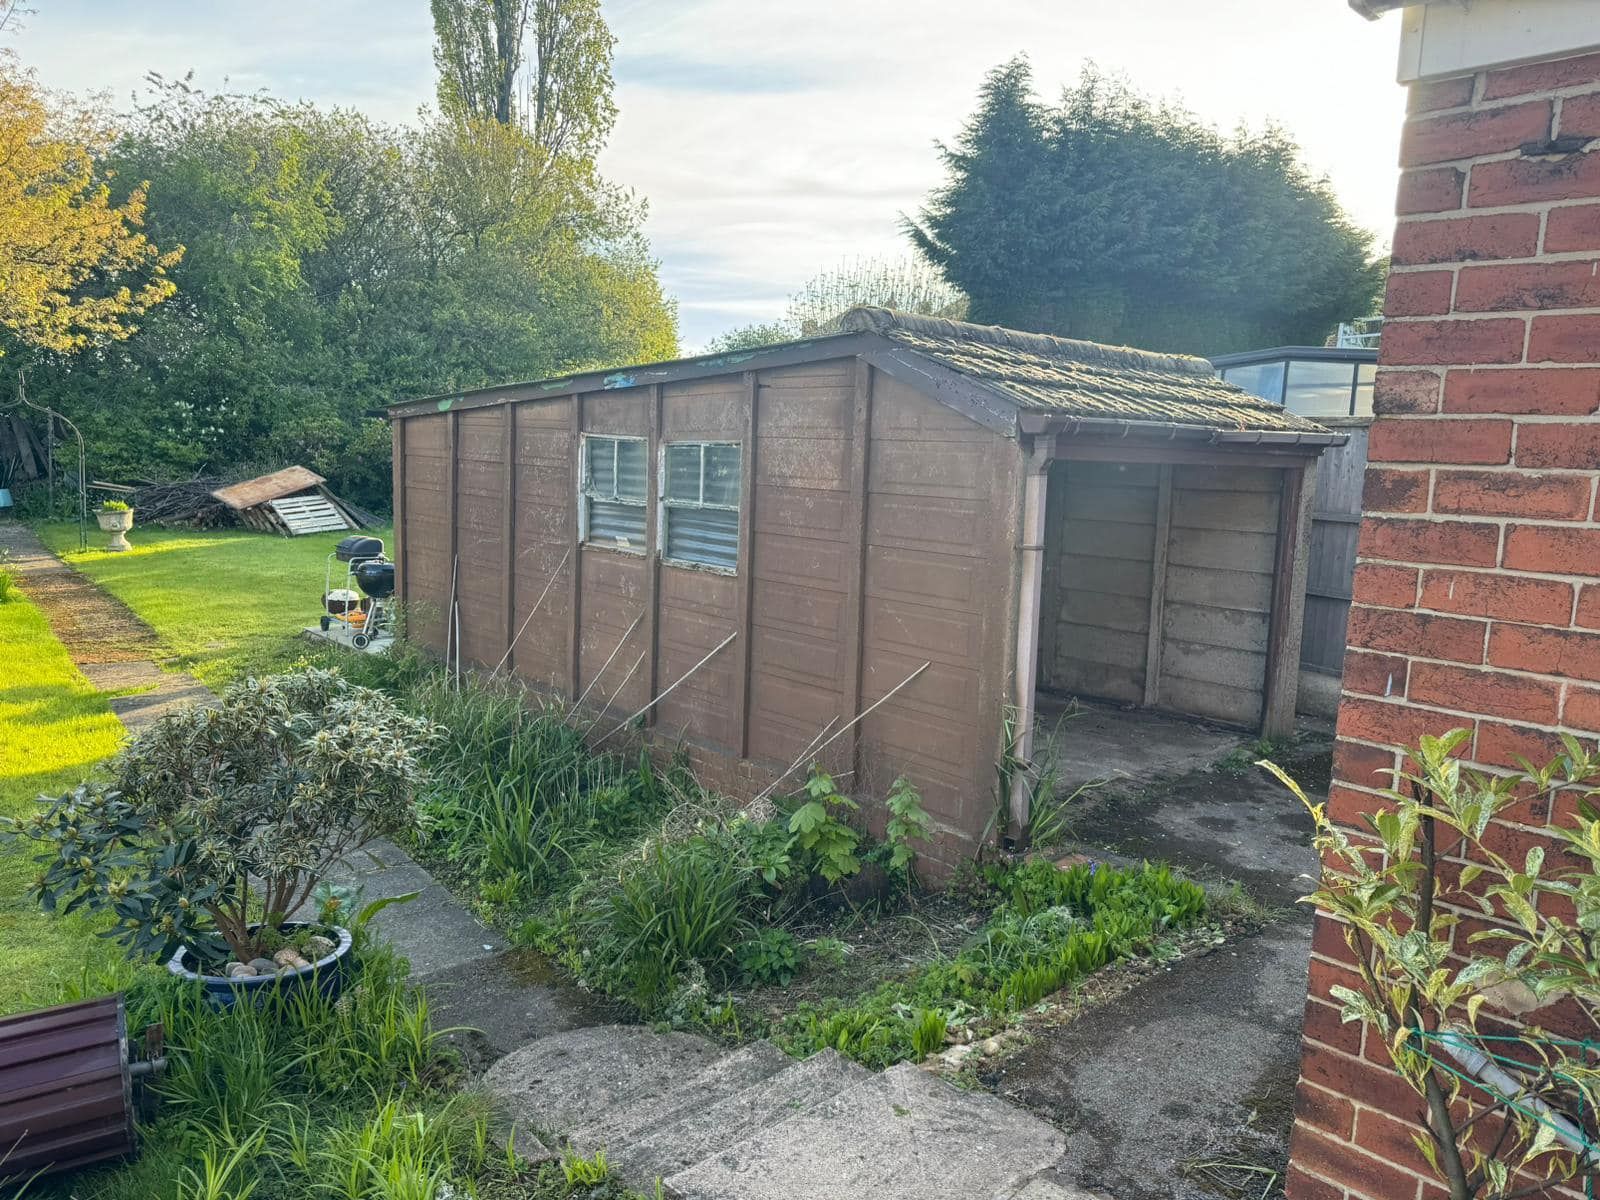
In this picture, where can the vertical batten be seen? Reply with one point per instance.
(397, 437)
(1158, 587)
(654, 499)
(508, 533)
(856, 523)
(745, 565)
(574, 595)
(1290, 564)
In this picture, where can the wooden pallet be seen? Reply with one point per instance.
(299, 515)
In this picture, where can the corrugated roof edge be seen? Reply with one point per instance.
(865, 319)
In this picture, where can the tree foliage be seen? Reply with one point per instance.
(334, 266)
(75, 267)
(1112, 217)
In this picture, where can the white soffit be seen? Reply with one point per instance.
(1454, 37)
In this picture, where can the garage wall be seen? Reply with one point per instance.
(1216, 616)
(1099, 567)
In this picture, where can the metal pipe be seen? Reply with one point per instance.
(1483, 1068)
(1035, 492)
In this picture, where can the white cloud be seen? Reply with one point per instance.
(774, 139)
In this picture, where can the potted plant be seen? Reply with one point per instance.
(116, 518)
(219, 821)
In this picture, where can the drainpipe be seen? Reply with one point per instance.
(1035, 489)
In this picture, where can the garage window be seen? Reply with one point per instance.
(700, 504)
(611, 511)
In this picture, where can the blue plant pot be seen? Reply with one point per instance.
(327, 975)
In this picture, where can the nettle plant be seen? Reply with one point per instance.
(1444, 926)
(220, 821)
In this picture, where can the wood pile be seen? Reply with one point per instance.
(22, 455)
(188, 503)
(292, 502)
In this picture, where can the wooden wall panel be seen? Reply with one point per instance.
(1100, 552)
(481, 457)
(545, 459)
(427, 506)
(938, 587)
(803, 544)
(1217, 612)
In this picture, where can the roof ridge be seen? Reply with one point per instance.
(866, 318)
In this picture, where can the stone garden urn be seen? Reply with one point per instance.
(116, 522)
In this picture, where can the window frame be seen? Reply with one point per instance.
(665, 505)
(586, 494)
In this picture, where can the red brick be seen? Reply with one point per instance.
(1359, 1172)
(1581, 709)
(1350, 808)
(1434, 94)
(1386, 490)
(1475, 133)
(1405, 392)
(1385, 586)
(1552, 550)
(1555, 446)
(1436, 189)
(1572, 228)
(1542, 391)
(1580, 117)
(1589, 607)
(1490, 692)
(1328, 940)
(1451, 343)
(1505, 287)
(1574, 339)
(1297, 1185)
(1418, 293)
(1533, 180)
(1421, 634)
(1364, 766)
(1564, 652)
(1466, 239)
(1402, 724)
(1391, 1140)
(1435, 441)
(1375, 674)
(1512, 494)
(1546, 76)
(1448, 543)
(1504, 597)
(1323, 1109)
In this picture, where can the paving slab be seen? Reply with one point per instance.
(798, 1088)
(902, 1135)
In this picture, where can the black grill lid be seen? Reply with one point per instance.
(358, 546)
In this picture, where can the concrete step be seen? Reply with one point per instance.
(695, 1134)
(622, 1126)
(902, 1135)
(568, 1080)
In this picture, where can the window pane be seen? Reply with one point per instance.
(683, 473)
(1319, 389)
(703, 535)
(1263, 379)
(1365, 374)
(631, 470)
(613, 524)
(722, 475)
(602, 473)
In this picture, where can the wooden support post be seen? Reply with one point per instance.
(397, 437)
(1290, 565)
(574, 591)
(1050, 602)
(452, 482)
(746, 566)
(508, 531)
(653, 550)
(1035, 493)
(1158, 587)
(855, 523)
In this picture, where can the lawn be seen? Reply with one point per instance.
(57, 727)
(226, 602)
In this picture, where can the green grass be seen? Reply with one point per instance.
(226, 602)
(56, 727)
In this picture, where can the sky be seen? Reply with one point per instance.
(774, 139)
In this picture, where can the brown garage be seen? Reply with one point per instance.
(778, 539)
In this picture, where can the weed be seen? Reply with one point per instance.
(585, 1172)
(928, 1032)
(771, 956)
(820, 834)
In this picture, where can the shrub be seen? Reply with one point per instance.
(279, 780)
(828, 843)
(115, 506)
(771, 956)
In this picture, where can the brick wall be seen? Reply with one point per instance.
(1477, 594)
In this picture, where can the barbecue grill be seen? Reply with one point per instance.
(360, 608)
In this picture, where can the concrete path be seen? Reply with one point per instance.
(112, 646)
(1188, 1079)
